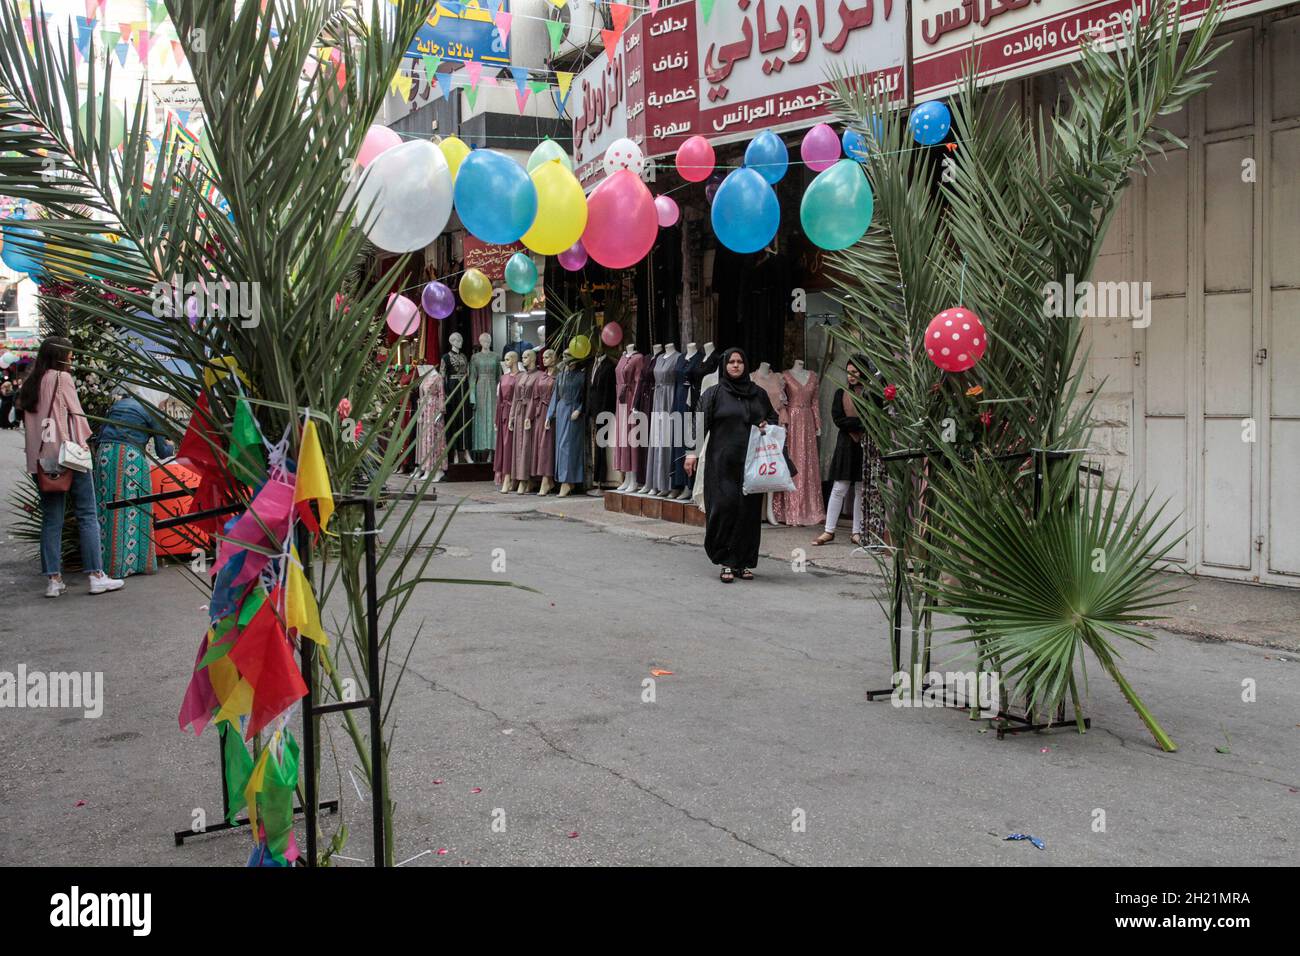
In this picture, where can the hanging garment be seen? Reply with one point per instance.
(601, 408)
(521, 463)
(644, 404)
(126, 534)
(685, 402)
(505, 446)
(543, 436)
(803, 506)
(455, 371)
(484, 373)
(667, 373)
(701, 445)
(430, 437)
(627, 379)
(734, 519)
(569, 396)
(774, 385)
(706, 365)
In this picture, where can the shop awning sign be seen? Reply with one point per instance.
(466, 31)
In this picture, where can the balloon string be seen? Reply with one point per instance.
(961, 287)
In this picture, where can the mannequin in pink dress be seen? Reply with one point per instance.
(520, 424)
(543, 433)
(504, 454)
(627, 376)
(774, 384)
(803, 425)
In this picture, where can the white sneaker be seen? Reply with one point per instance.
(54, 587)
(101, 582)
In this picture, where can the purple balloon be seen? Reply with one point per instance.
(820, 148)
(438, 300)
(574, 257)
(712, 186)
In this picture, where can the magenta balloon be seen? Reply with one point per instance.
(378, 139)
(695, 159)
(611, 334)
(574, 257)
(820, 148)
(403, 317)
(666, 210)
(621, 221)
(438, 300)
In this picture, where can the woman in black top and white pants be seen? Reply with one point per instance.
(846, 464)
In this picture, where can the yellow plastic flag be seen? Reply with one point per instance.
(256, 783)
(238, 704)
(313, 476)
(224, 676)
(402, 85)
(300, 610)
(219, 368)
(563, 79)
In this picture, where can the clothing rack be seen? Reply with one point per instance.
(311, 807)
(1042, 457)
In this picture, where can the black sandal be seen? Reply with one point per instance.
(746, 574)
(727, 576)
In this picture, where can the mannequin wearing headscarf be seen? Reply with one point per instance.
(734, 519)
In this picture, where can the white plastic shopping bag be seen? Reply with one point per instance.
(765, 467)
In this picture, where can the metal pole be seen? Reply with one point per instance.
(308, 713)
(372, 649)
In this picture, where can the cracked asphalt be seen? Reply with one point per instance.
(759, 749)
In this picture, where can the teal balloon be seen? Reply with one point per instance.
(837, 206)
(547, 150)
(745, 212)
(766, 155)
(521, 273)
(496, 200)
(22, 259)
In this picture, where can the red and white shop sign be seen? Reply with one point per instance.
(1012, 38)
(601, 111)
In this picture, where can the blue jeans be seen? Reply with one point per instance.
(52, 508)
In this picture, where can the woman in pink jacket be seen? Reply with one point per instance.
(52, 414)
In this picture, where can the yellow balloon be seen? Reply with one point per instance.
(561, 210)
(475, 289)
(580, 347)
(455, 151)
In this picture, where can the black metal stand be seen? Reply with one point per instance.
(310, 711)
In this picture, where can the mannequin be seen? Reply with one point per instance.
(543, 430)
(564, 415)
(430, 438)
(455, 371)
(774, 385)
(504, 452)
(685, 401)
(600, 406)
(804, 505)
(521, 464)
(645, 405)
(627, 435)
(484, 374)
(664, 419)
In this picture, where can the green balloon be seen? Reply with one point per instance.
(836, 208)
(547, 150)
(116, 122)
(521, 273)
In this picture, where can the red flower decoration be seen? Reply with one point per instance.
(891, 392)
(345, 408)
(986, 417)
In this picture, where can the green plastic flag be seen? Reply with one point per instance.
(538, 86)
(239, 766)
(247, 453)
(431, 64)
(471, 94)
(277, 797)
(556, 29)
(706, 8)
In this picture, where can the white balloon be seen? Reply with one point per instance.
(623, 154)
(404, 200)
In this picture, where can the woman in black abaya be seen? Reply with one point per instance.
(734, 519)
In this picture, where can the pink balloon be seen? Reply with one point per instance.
(574, 257)
(378, 139)
(621, 221)
(666, 210)
(403, 316)
(611, 334)
(695, 159)
(820, 148)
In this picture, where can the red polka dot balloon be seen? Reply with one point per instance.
(955, 339)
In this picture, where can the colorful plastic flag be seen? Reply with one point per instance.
(556, 29)
(266, 662)
(200, 699)
(301, 613)
(277, 797)
(313, 482)
(620, 13)
(502, 20)
(247, 458)
(239, 767)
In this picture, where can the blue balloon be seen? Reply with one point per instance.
(767, 156)
(837, 206)
(24, 259)
(746, 213)
(496, 200)
(930, 123)
(855, 146)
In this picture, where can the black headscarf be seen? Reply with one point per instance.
(744, 389)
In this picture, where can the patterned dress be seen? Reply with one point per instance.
(521, 460)
(774, 385)
(484, 373)
(804, 505)
(430, 430)
(505, 444)
(544, 437)
(126, 534)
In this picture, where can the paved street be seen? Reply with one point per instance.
(536, 698)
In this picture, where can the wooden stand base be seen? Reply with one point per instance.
(650, 506)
